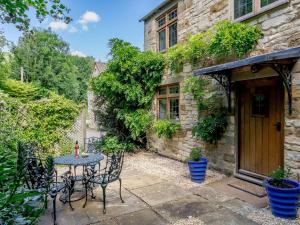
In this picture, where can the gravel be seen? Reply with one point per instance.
(264, 217)
(189, 221)
(168, 169)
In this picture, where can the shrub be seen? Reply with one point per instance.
(212, 127)
(195, 154)
(166, 128)
(176, 57)
(126, 89)
(112, 143)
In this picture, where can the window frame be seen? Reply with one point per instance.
(168, 23)
(257, 9)
(167, 97)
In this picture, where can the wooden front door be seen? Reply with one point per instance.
(261, 109)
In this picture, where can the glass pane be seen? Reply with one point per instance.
(266, 2)
(162, 40)
(174, 109)
(173, 34)
(173, 15)
(162, 91)
(260, 105)
(161, 22)
(242, 7)
(174, 90)
(162, 109)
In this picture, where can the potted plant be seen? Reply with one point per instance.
(283, 193)
(197, 165)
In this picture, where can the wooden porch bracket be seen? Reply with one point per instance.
(225, 81)
(285, 74)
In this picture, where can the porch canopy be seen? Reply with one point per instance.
(281, 61)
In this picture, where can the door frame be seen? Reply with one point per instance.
(247, 175)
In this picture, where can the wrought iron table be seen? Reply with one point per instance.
(71, 160)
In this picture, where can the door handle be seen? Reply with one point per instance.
(277, 125)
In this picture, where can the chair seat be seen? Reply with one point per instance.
(103, 179)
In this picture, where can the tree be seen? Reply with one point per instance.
(46, 60)
(15, 11)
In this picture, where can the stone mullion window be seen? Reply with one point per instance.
(168, 102)
(244, 9)
(167, 30)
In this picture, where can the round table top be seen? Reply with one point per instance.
(72, 160)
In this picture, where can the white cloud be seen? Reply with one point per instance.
(58, 25)
(78, 53)
(72, 29)
(88, 17)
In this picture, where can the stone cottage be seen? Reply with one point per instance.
(258, 139)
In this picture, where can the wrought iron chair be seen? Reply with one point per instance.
(42, 177)
(111, 173)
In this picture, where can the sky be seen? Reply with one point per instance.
(94, 23)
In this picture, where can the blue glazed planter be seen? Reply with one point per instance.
(198, 170)
(283, 201)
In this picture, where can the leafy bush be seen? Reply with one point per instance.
(166, 128)
(112, 143)
(126, 89)
(212, 127)
(23, 91)
(224, 41)
(278, 176)
(195, 154)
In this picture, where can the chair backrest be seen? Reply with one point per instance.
(93, 145)
(114, 165)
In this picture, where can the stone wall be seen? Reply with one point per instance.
(281, 29)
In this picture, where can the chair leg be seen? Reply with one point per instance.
(54, 210)
(120, 191)
(86, 195)
(104, 199)
(69, 196)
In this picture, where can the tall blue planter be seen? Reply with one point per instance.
(198, 169)
(283, 201)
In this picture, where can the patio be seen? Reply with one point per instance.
(157, 191)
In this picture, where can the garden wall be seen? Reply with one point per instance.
(281, 29)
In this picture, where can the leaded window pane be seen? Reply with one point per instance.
(260, 106)
(266, 2)
(162, 40)
(174, 90)
(162, 109)
(161, 22)
(242, 7)
(173, 34)
(174, 109)
(173, 15)
(162, 91)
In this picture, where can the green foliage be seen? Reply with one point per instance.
(23, 91)
(126, 89)
(175, 57)
(112, 143)
(197, 87)
(212, 127)
(16, 12)
(278, 176)
(166, 128)
(46, 61)
(224, 41)
(195, 154)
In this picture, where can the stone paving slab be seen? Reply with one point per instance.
(189, 206)
(142, 217)
(238, 206)
(160, 193)
(211, 194)
(139, 180)
(225, 217)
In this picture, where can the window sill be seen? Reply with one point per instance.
(262, 10)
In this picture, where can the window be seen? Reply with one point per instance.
(167, 30)
(243, 9)
(260, 106)
(168, 102)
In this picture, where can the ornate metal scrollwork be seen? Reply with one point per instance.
(225, 81)
(284, 72)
